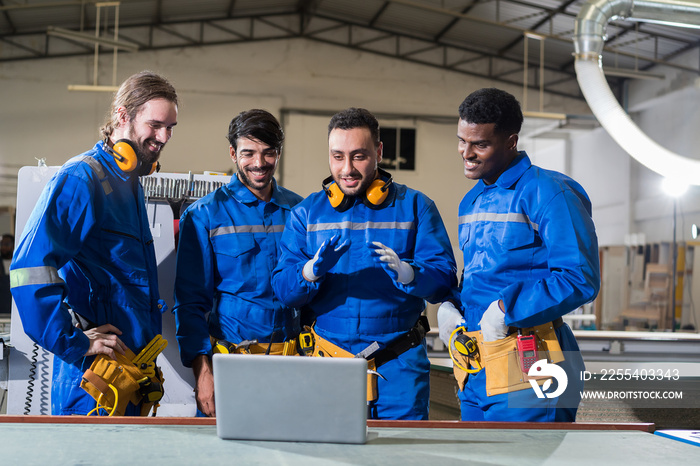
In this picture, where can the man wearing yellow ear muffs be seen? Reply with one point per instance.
(84, 272)
(362, 256)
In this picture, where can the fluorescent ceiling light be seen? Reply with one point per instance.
(548, 115)
(91, 39)
(87, 87)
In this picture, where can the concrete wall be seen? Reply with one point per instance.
(40, 118)
(303, 82)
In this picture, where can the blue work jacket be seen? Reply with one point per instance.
(87, 246)
(356, 302)
(529, 240)
(229, 244)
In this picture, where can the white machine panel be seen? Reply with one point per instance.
(30, 366)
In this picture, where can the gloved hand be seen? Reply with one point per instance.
(493, 326)
(326, 257)
(449, 318)
(398, 270)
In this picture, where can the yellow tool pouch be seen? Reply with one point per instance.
(128, 379)
(500, 359)
(324, 348)
(287, 348)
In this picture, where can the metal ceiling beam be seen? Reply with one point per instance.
(454, 21)
(35, 53)
(540, 23)
(566, 67)
(378, 14)
(231, 8)
(286, 33)
(7, 18)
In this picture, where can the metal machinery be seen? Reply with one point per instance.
(30, 366)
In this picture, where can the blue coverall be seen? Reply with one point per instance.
(356, 302)
(229, 245)
(87, 246)
(529, 240)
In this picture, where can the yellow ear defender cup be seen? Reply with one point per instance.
(125, 155)
(154, 168)
(377, 192)
(335, 195)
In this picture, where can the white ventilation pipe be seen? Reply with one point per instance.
(589, 38)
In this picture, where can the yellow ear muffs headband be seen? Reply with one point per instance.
(124, 154)
(373, 197)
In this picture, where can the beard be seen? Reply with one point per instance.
(258, 185)
(143, 153)
(359, 190)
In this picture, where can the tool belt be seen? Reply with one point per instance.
(128, 379)
(375, 359)
(500, 359)
(287, 348)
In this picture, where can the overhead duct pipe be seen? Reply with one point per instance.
(589, 38)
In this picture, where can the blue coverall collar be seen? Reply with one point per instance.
(242, 194)
(508, 178)
(515, 170)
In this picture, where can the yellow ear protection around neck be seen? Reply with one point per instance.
(124, 153)
(373, 197)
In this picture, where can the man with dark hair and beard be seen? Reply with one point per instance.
(229, 244)
(361, 257)
(84, 273)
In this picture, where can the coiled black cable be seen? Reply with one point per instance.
(30, 381)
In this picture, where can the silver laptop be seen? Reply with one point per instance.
(290, 398)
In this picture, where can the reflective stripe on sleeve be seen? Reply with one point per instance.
(44, 275)
(246, 229)
(361, 226)
(493, 217)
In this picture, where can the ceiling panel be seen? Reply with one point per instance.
(491, 29)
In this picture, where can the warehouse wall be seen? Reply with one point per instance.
(39, 118)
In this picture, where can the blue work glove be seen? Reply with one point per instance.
(398, 270)
(326, 257)
(449, 318)
(493, 325)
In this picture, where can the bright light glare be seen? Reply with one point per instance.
(673, 188)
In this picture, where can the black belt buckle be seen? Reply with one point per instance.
(417, 333)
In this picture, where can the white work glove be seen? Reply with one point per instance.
(326, 257)
(493, 326)
(398, 270)
(449, 318)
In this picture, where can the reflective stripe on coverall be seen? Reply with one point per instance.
(529, 240)
(229, 245)
(86, 246)
(356, 302)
